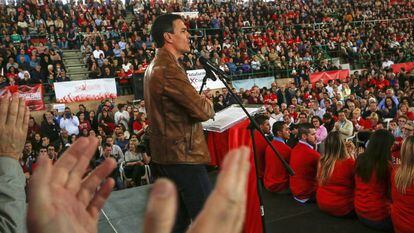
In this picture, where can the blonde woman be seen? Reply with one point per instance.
(335, 192)
(402, 211)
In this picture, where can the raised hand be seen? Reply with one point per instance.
(60, 199)
(224, 210)
(14, 121)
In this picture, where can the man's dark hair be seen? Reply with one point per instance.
(161, 25)
(260, 119)
(304, 129)
(107, 145)
(277, 127)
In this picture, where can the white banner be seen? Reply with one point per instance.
(84, 90)
(185, 14)
(196, 79)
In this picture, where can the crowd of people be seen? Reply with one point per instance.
(348, 141)
(121, 135)
(65, 195)
(286, 39)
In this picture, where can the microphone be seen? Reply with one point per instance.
(209, 66)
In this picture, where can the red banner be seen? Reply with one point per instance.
(33, 95)
(396, 68)
(329, 75)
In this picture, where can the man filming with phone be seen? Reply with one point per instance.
(70, 122)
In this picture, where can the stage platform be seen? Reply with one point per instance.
(125, 209)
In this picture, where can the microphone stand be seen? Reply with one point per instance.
(253, 126)
(209, 75)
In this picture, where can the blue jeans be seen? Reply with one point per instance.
(193, 187)
(383, 225)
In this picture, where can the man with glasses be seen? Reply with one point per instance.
(406, 131)
(51, 152)
(402, 120)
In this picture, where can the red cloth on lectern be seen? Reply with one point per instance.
(219, 144)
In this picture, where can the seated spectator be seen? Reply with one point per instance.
(122, 142)
(134, 162)
(389, 109)
(276, 178)
(33, 128)
(260, 142)
(402, 189)
(304, 161)
(122, 116)
(70, 122)
(83, 122)
(219, 103)
(344, 126)
(106, 121)
(116, 152)
(50, 128)
(139, 124)
(62, 77)
(372, 174)
(336, 174)
(107, 153)
(321, 132)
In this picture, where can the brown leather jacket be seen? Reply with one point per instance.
(175, 111)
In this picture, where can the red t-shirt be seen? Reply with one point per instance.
(304, 162)
(336, 196)
(402, 208)
(371, 201)
(260, 152)
(276, 178)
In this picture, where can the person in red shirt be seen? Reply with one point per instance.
(336, 172)
(402, 190)
(260, 142)
(372, 173)
(382, 83)
(304, 162)
(276, 178)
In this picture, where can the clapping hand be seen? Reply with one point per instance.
(224, 210)
(60, 199)
(14, 121)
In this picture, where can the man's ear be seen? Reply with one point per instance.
(167, 37)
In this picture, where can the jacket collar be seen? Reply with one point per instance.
(165, 54)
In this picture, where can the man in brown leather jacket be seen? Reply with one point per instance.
(175, 111)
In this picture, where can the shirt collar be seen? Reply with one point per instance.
(279, 139)
(305, 143)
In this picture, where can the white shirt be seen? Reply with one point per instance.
(97, 53)
(70, 125)
(122, 117)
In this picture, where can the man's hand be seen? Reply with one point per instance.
(60, 199)
(224, 210)
(14, 121)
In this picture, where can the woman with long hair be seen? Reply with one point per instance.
(219, 103)
(390, 108)
(372, 175)
(402, 190)
(336, 171)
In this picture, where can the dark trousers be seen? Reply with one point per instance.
(383, 225)
(193, 187)
(135, 172)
